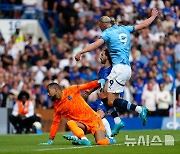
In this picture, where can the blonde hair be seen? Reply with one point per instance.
(106, 19)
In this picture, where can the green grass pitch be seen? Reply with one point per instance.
(26, 144)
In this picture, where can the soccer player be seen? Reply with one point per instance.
(117, 39)
(100, 106)
(82, 119)
(105, 70)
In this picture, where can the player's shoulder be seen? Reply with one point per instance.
(123, 27)
(127, 28)
(101, 69)
(106, 31)
(70, 89)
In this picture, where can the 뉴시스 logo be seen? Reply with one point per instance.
(146, 140)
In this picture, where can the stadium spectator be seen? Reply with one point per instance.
(177, 80)
(168, 23)
(177, 53)
(156, 4)
(142, 7)
(171, 110)
(4, 95)
(2, 46)
(163, 100)
(23, 113)
(30, 9)
(168, 84)
(138, 90)
(149, 99)
(38, 71)
(7, 59)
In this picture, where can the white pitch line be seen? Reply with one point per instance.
(78, 147)
(81, 147)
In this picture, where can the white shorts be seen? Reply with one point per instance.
(118, 77)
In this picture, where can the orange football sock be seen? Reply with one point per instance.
(75, 129)
(103, 141)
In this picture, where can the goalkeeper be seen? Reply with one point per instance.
(82, 119)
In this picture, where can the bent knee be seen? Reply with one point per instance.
(70, 123)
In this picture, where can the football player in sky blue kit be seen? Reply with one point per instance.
(117, 40)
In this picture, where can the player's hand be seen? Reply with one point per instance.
(78, 56)
(102, 82)
(49, 142)
(154, 12)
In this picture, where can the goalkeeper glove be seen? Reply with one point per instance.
(49, 142)
(102, 82)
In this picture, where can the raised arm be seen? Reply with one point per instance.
(148, 21)
(89, 48)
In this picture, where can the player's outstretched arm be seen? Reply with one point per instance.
(148, 21)
(89, 48)
(91, 85)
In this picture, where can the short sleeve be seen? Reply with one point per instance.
(104, 36)
(130, 28)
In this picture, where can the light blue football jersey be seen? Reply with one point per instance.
(118, 41)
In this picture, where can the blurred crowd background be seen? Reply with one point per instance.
(73, 24)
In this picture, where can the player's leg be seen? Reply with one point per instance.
(119, 75)
(108, 130)
(99, 107)
(112, 111)
(122, 103)
(119, 124)
(78, 130)
(107, 127)
(100, 138)
(106, 124)
(101, 110)
(97, 130)
(71, 136)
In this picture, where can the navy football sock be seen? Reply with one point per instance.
(114, 114)
(121, 103)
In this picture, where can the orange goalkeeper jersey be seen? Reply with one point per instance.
(73, 107)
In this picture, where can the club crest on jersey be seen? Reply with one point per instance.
(69, 97)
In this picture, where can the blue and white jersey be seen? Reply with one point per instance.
(104, 72)
(117, 39)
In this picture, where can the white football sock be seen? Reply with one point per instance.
(138, 109)
(107, 126)
(117, 120)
